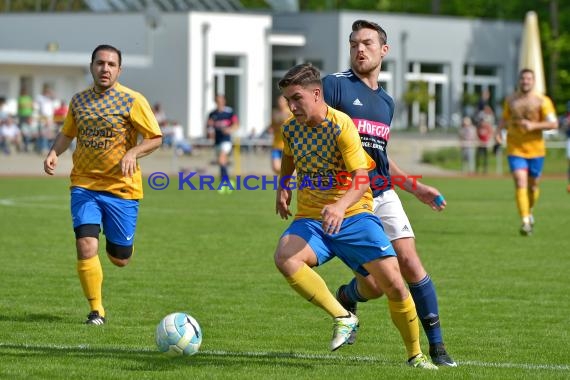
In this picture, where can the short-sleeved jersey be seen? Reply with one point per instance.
(535, 107)
(323, 156)
(106, 126)
(372, 112)
(221, 121)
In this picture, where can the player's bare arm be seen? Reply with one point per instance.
(550, 123)
(334, 214)
(284, 194)
(60, 145)
(425, 194)
(146, 147)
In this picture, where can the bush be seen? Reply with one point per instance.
(442, 157)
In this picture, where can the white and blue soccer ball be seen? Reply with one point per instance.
(178, 334)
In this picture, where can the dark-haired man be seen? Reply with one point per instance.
(357, 93)
(106, 182)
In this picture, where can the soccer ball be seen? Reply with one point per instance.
(178, 334)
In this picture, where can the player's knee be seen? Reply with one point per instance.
(285, 263)
(279, 259)
(119, 255)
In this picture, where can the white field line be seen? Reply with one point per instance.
(292, 355)
(39, 201)
(62, 203)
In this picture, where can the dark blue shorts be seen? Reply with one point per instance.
(118, 216)
(361, 240)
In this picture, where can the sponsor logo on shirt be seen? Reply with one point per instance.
(372, 128)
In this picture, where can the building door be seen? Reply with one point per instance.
(228, 80)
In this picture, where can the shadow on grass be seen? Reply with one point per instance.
(142, 359)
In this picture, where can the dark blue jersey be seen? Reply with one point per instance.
(221, 121)
(372, 112)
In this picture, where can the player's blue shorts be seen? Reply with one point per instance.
(118, 216)
(532, 165)
(361, 239)
(276, 154)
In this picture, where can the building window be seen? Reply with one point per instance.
(481, 85)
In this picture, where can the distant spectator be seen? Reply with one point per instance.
(160, 115)
(11, 135)
(483, 100)
(485, 132)
(278, 117)
(60, 113)
(179, 143)
(25, 107)
(46, 105)
(468, 140)
(29, 134)
(3, 111)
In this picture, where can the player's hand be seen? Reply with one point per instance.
(333, 217)
(50, 162)
(282, 202)
(429, 195)
(129, 164)
(527, 125)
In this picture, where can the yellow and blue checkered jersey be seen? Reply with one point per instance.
(536, 107)
(324, 156)
(106, 126)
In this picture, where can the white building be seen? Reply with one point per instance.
(183, 58)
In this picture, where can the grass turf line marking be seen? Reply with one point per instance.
(292, 355)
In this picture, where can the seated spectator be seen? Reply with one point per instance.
(29, 133)
(179, 143)
(11, 135)
(167, 135)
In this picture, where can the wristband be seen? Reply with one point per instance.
(439, 200)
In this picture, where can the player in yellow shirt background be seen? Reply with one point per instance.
(526, 114)
(278, 116)
(106, 181)
(334, 218)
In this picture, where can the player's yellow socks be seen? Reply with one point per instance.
(405, 318)
(522, 197)
(312, 287)
(532, 197)
(91, 276)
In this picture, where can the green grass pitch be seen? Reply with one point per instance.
(503, 298)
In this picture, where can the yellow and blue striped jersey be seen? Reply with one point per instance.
(323, 156)
(536, 107)
(106, 126)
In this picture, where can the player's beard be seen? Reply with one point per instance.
(364, 68)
